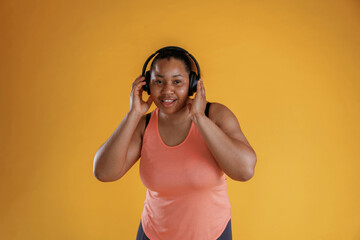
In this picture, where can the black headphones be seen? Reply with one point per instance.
(193, 77)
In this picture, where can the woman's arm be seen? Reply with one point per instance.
(116, 156)
(120, 152)
(224, 138)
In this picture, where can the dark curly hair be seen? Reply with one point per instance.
(170, 53)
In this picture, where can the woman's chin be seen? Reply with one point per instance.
(170, 108)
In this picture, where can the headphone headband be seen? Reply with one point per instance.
(171, 48)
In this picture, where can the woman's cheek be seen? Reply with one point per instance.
(182, 91)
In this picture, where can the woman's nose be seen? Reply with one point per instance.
(167, 88)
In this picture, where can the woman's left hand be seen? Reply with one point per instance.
(198, 104)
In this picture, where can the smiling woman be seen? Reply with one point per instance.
(187, 148)
(169, 85)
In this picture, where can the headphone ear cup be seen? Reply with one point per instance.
(193, 78)
(146, 87)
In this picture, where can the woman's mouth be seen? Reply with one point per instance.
(167, 102)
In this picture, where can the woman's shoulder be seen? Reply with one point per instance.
(144, 122)
(223, 117)
(218, 110)
(141, 126)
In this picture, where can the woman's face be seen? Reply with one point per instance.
(169, 85)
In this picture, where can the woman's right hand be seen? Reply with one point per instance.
(137, 104)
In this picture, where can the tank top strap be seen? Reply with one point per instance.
(207, 109)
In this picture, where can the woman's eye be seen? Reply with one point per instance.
(177, 81)
(158, 81)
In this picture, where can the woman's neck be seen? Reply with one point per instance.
(180, 116)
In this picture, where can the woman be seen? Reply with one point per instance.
(186, 148)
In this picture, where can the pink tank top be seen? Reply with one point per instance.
(186, 195)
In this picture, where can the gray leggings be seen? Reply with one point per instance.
(226, 235)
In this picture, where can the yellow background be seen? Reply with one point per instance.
(289, 70)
